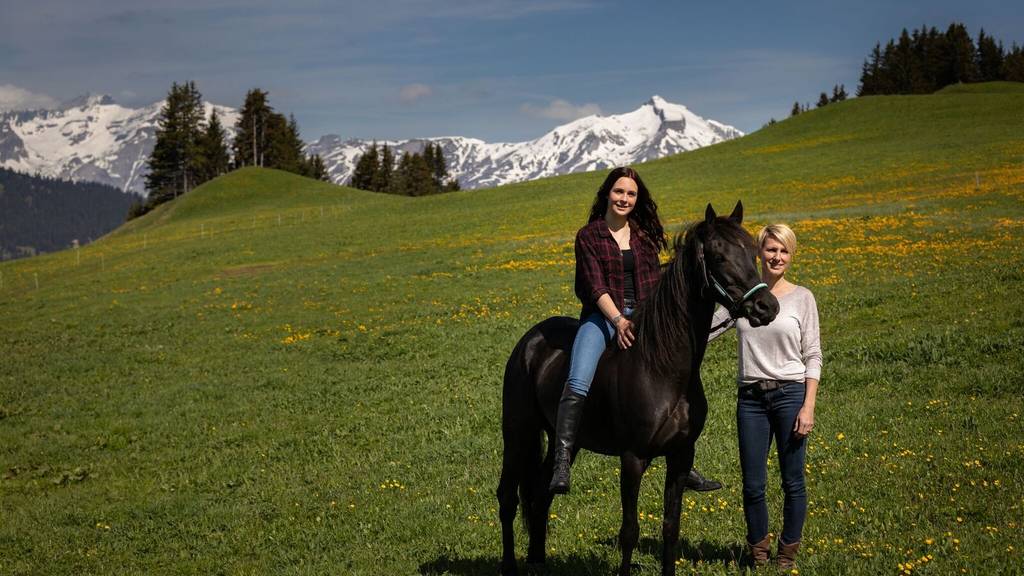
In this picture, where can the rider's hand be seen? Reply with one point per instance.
(624, 333)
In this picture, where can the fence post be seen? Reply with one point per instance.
(36, 276)
(202, 230)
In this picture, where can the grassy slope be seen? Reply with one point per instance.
(276, 375)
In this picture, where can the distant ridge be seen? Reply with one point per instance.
(39, 215)
(92, 138)
(656, 129)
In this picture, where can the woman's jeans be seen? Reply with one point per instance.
(594, 335)
(760, 416)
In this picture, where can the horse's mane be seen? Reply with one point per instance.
(663, 321)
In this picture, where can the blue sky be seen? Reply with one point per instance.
(496, 70)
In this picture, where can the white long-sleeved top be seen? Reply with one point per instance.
(789, 348)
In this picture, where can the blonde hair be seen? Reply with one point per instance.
(780, 232)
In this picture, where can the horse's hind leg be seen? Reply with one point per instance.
(508, 502)
(540, 506)
(629, 490)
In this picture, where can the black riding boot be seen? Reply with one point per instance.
(696, 481)
(567, 423)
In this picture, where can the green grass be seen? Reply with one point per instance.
(272, 375)
(985, 88)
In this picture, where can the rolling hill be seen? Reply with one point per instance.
(275, 375)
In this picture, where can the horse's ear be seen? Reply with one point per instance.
(709, 214)
(737, 213)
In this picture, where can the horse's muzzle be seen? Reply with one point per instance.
(761, 309)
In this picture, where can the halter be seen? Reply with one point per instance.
(710, 280)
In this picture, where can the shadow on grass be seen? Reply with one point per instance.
(692, 552)
(703, 551)
(572, 564)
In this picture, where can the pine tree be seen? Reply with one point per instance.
(316, 169)
(428, 156)
(822, 100)
(420, 177)
(438, 168)
(838, 93)
(366, 169)
(990, 58)
(870, 72)
(250, 145)
(401, 182)
(174, 164)
(284, 149)
(935, 51)
(1013, 64)
(382, 178)
(296, 156)
(213, 149)
(796, 109)
(962, 66)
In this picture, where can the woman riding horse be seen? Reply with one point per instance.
(616, 267)
(645, 401)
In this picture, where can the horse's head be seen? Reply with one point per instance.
(724, 253)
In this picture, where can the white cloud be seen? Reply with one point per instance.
(413, 92)
(559, 109)
(14, 98)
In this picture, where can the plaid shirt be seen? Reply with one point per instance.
(599, 266)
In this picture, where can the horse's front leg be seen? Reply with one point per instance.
(678, 468)
(629, 489)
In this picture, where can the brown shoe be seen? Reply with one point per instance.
(759, 552)
(787, 555)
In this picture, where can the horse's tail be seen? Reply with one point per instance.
(523, 456)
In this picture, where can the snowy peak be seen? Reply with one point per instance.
(89, 100)
(94, 138)
(90, 138)
(656, 129)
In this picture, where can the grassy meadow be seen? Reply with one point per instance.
(276, 376)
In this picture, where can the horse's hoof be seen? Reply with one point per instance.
(536, 567)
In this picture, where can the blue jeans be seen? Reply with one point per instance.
(592, 338)
(760, 416)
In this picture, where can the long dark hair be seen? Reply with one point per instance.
(645, 212)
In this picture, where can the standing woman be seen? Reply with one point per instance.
(616, 267)
(779, 368)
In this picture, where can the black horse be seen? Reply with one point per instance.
(645, 402)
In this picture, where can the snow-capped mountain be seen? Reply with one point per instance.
(91, 138)
(657, 128)
(96, 139)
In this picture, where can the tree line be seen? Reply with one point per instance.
(838, 95)
(926, 60)
(191, 149)
(40, 214)
(415, 174)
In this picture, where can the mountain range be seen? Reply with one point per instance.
(96, 139)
